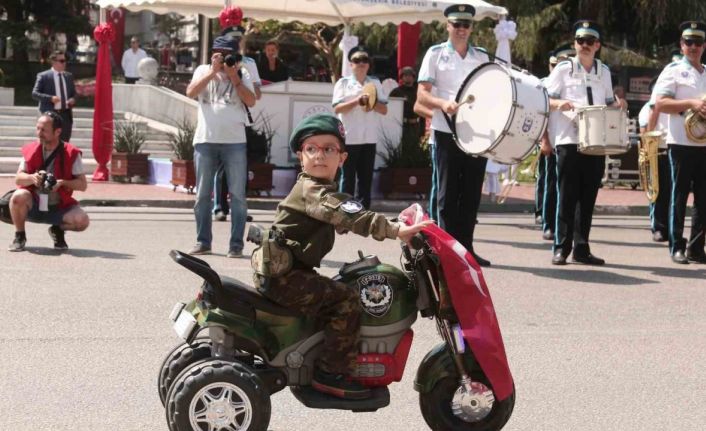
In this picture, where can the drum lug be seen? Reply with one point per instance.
(506, 133)
(517, 105)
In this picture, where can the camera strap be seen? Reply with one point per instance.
(52, 156)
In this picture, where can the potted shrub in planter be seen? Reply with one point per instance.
(182, 142)
(259, 167)
(407, 166)
(128, 163)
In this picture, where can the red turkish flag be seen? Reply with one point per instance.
(116, 17)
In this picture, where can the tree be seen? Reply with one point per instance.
(44, 16)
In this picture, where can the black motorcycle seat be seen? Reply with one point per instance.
(244, 293)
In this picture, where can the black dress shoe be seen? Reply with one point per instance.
(696, 257)
(548, 235)
(588, 259)
(658, 236)
(480, 260)
(559, 258)
(680, 257)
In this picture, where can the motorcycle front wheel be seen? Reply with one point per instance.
(442, 411)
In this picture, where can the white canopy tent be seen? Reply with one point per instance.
(332, 12)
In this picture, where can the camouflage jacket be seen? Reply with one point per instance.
(313, 211)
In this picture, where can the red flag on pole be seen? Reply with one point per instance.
(407, 44)
(103, 106)
(116, 17)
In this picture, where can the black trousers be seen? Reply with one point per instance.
(659, 211)
(579, 177)
(550, 193)
(67, 120)
(688, 168)
(460, 184)
(359, 165)
(539, 187)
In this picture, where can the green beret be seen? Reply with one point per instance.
(318, 124)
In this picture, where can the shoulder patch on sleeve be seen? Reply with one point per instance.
(351, 206)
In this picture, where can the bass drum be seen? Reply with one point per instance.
(503, 115)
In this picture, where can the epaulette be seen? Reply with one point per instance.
(248, 60)
(437, 47)
(563, 62)
(481, 49)
(674, 63)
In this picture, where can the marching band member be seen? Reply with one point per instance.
(546, 177)
(458, 176)
(350, 104)
(680, 87)
(650, 119)
(581, 81)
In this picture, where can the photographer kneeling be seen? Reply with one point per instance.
(47, 177)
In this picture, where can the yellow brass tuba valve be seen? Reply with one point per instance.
(695, 126)
(647, 161)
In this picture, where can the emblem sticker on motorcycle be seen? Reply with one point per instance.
(375, 294)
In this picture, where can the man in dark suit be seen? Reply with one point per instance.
(55, 91)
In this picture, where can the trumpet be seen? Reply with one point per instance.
(695, 125)
(647, 161)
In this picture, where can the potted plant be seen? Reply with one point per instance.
(128, 163)
(407, 165)
(259, 137)
(182, 142)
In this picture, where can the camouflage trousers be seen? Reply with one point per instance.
(334, 304)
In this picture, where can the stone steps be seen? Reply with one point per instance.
(17, 128)
(29, 133)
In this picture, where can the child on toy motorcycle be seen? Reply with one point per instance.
(307, 219)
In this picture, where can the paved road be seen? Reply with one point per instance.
(615, 348)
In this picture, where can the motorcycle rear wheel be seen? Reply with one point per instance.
(436, 409)
(182, 356)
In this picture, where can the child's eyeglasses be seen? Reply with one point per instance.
(312, 150)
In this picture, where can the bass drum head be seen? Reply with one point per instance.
(479, 124)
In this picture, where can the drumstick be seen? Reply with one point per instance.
(469, 99)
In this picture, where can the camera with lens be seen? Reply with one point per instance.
(232, 59)
(48, 180)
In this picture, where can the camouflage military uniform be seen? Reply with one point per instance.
(309, 217)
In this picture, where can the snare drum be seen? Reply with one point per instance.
(506, 117)
(603, 130)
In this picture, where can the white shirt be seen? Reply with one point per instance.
(130, 61)
(445, 70)
(643, 118)
(251, 66)
(221, 115)
(361, 127)
(553, 117)
(58, 84)
(680, 80)
(569, 81)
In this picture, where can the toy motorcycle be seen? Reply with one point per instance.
(255, 347)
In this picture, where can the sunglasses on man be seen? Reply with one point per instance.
(461, 24)
(588, 41)
(360, 60)
(692, 42)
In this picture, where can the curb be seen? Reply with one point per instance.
(383, 205)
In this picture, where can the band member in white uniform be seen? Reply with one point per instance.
(362, 134)
(680, 87)
(651, 120)
(545, 195)
(458, 176)
(581, 81)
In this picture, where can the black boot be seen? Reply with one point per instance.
(57, 235)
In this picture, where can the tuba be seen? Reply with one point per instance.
(647, 161)
(695, 126)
